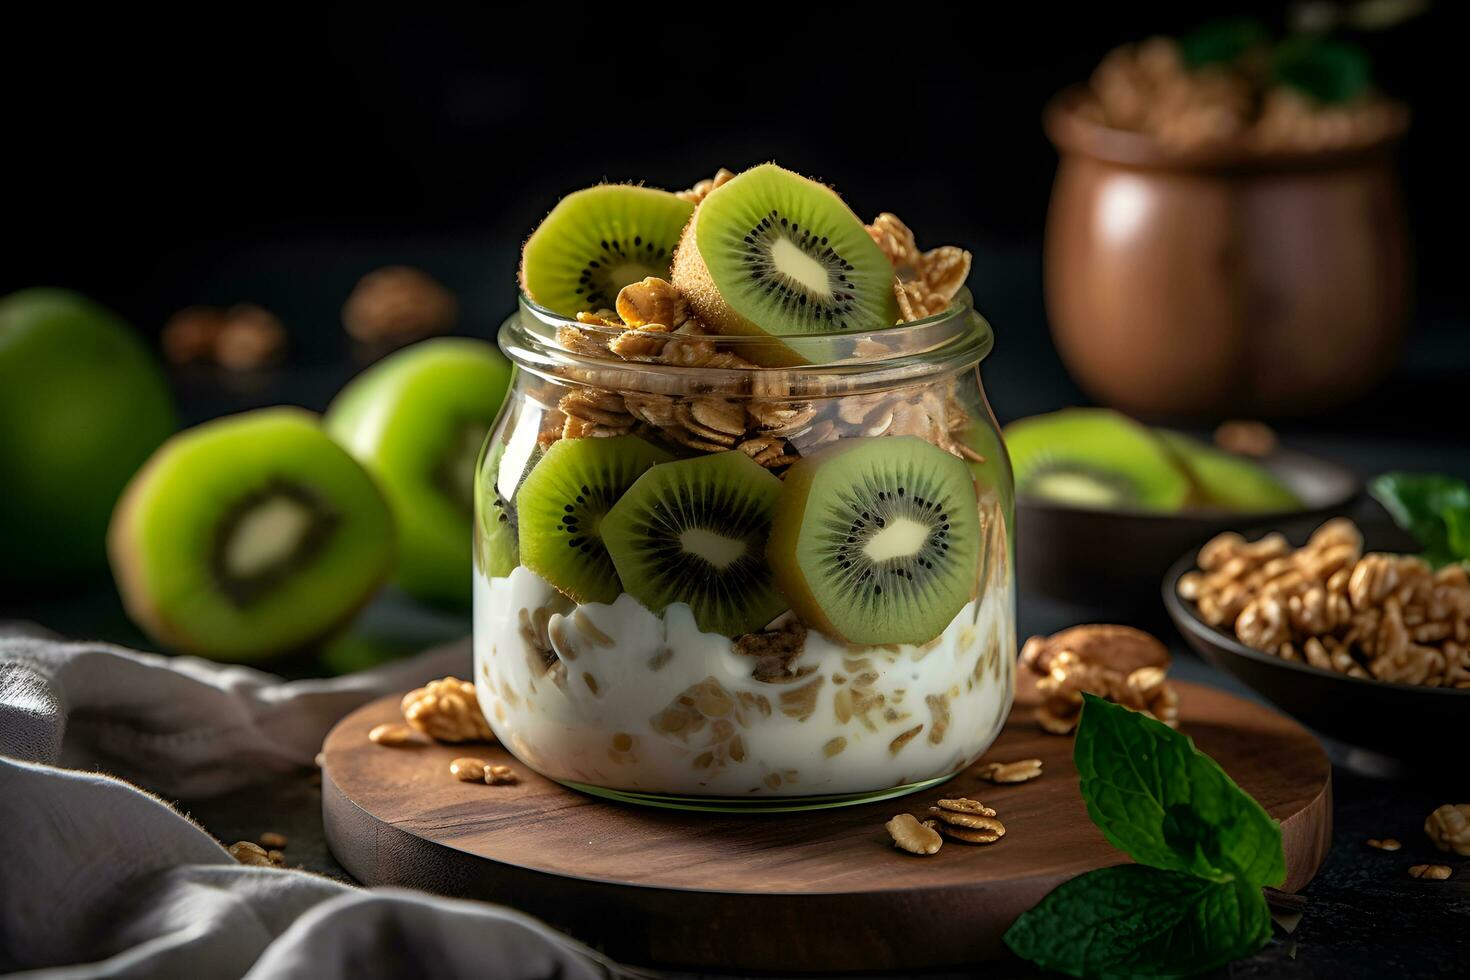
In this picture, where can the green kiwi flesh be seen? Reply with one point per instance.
(561, 506)
(695, 531)
(598, 240)
(496, 548)
(416, 420)
(877, 540)
(249, 536)
(770, 252)
(1095, 459)
(1228, 481)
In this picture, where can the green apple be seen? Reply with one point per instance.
(82, 404)
(417, 420)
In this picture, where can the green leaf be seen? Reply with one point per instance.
(1434, 508)
(1329, 71)
(1221, 41)
(1168, 805)
(1137, 921)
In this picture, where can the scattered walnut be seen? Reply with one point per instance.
(1449, 828)
(700, 190)
(971, 828)
(1387, 844)
(249, 339)
(500, 775)
(1246, 438)
(965, 805)
(447, 711)
(468, 769)
(652, 301)
(398, 304)
(1010, 772)
(247, 852)
(189, 335)
(390, 734)
(1430, 872)
(1119, 663)
(271, 839)
(910, 835)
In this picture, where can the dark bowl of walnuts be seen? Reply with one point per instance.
(1340, 628)
(1221, 241)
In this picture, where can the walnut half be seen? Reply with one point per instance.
(446, 710)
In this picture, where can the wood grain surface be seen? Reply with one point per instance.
(815, 891)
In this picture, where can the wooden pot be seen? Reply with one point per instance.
(1222, 282)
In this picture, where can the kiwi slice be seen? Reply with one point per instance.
(1228, 481)
(771, 252)
(416, 420)
(496, 549)
(1095, 459)
(561, 505)
(598, 240)
(877, 540)
(248, 536)
(695, 532)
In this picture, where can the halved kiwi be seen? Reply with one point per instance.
(416, 420)
(694, 531)
(598, 240)
(248, 536)
(1094, 458)
(877, 540)
(770, 252)
(1227, 481)
(561, 505)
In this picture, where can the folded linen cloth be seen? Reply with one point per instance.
(103, 879)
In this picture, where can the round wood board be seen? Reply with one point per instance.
(801, 892)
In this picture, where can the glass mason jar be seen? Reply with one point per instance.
(701, 582)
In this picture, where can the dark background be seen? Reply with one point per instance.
(276, 156)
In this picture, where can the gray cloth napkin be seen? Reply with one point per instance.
(100, 878)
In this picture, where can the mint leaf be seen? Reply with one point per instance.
(1168, 805)
(1222, 41)
(1432, 507)
(1137, 921)
(1329, 71)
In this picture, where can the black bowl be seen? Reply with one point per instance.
(1405, 722)
(1115, 557)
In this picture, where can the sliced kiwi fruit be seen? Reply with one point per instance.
(695, 531)
(1095, 459)
(82, 405)
(416, 420)
(249, 536)
(1227, 481)
(496, 548)
(561, 505)
(770, 252)
(877, 540)
(598, 240)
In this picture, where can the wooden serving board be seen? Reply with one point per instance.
(802, 892)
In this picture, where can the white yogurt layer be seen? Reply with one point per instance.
(615, 696)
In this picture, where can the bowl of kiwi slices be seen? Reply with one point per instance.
(743, 526)
(1106, 504)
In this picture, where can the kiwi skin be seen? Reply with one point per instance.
(82, 405)
(134, 563)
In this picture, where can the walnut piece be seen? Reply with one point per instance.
(271, 839)
(1120, 663)
(391, 735)
(701, 190)
(652, 301)
(446, 710)
(1019, 771)
(910, 835)
(1246, 438)
(1431, 872)
(398, 304)
(1448, 828)
(1386, 844)
(189, 335)
(468, 769)
(971, 828)
(500, 775)
(249, 853)
(965, 805)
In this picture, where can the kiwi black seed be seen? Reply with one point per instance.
(598, 240)
(694, 531)
(877, 540)
(561, 505)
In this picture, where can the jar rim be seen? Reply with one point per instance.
(909, 353)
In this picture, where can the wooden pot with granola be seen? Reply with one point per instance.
(740, 555)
